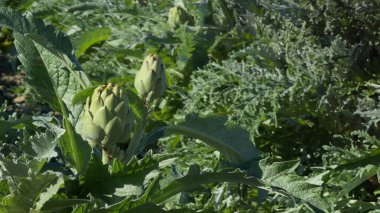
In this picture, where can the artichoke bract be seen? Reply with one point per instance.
(150, 81)
(177, 16)
(107, 117)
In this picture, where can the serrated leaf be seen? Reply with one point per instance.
(19, 167)
(362, 175)
(282, 175)
(124, 205)
(37, 72)
(95, 175)
(32, 192)
(194, 179)
(89, 38)
(354, 206)
(100, 182)
(42, 145)
(277, 169)
(128, 190)
(47, 121)
(186, 49)
(135, 170)
(54, 73)
(54, 205)
(372, 158)
(85, 208)
(129, 203)
(5, 125)
(147, 207)
(35, 29)
(45, 33)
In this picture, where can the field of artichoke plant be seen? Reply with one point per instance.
(189, 106)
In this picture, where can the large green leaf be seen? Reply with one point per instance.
(100, 182)
(19, 167)
(232, 141)
(54, 205)
(282, 175)
(54, 73)
(156, 194)
(129, 205)
(362, 175)
(84, 208)
(42, 145)
(354, 206)
(5, 125)
(194, 179)
(372, 158)
(89, 38)
(32, 192)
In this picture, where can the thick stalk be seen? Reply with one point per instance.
(192, 133)
(105, 157)
(137, 136)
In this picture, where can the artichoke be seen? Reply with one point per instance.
(107, 117)
(150, 81)
(178, 15)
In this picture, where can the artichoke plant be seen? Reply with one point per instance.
(150, 81)
(178, 15)
(107, 117)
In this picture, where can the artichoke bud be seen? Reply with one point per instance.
(178, 15)
(107, 117)
(128, 126)
(150, 81)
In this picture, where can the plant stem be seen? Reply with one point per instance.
(105, 157)
(137, 136)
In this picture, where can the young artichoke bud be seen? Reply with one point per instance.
(177, 16)
(107, 117)
(150, 81)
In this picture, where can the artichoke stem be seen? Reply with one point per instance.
(105, 157)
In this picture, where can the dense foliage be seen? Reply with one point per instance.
(285, 95)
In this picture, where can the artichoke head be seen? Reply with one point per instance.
(150, 81)
(178, 15)
(107, 117)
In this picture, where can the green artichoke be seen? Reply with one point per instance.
(107, 117)
(178, 15)
(150, 81)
